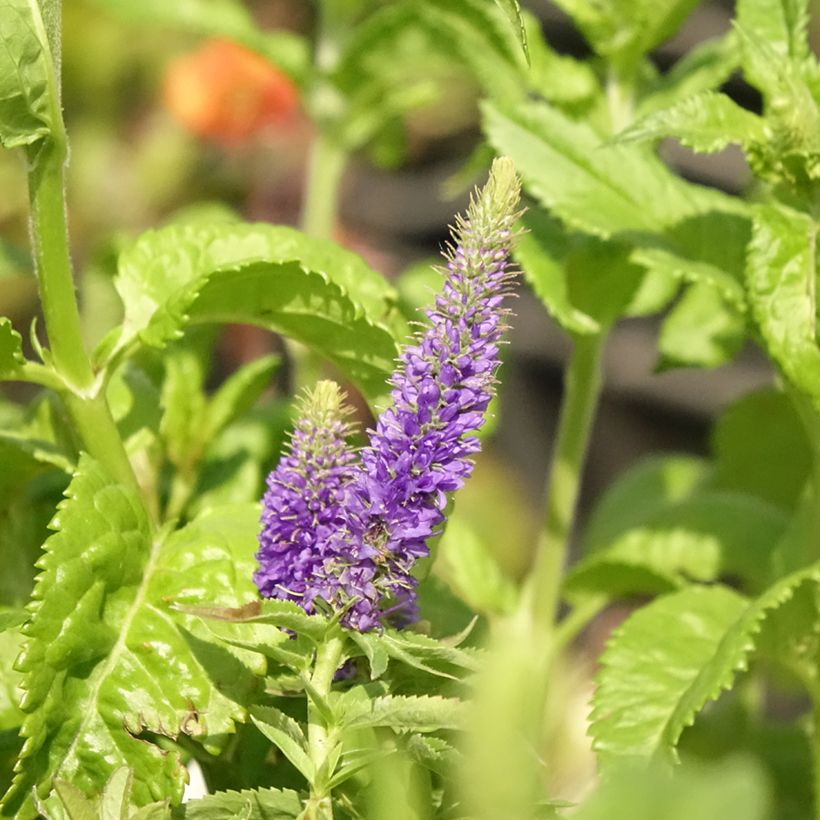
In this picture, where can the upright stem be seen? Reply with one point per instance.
(328, 659)
(50, 239)
(86, 406)
(578, 407)
(321, 200)
(815, 751)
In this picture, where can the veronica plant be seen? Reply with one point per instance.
(160, 626)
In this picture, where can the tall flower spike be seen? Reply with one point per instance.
(421, 448)
(303, 504)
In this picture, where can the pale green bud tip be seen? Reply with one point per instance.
(323, 405)
(498, 200)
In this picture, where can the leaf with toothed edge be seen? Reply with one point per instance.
(256, 804)
(273, 276)
(103, 658)
(673, 657)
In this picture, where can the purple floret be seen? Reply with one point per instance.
(373, 519)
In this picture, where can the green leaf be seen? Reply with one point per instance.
(256, 804)
(732, 653)
(540, 252)
(513, 12)
(706, 67)
(774, 466)
(219, 18)
(10, 640)
(375, 653)
(734, 787)
(706, 123)
(471, 569)
(274, 276)
(596, 187)
(780, 275)
(29, 110)
(402, 714)
(701, 330)
(287, 735)
(710, 535)
(11, 350)
(650, 664)
(626, 29)
(238, 394)
(284, 614)
(650, 485)
(782, 24)
(433, 753)
(103, 658)
(428, 654)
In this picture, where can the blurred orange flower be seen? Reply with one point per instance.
(227, 93)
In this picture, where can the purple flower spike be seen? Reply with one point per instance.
(421, 448)
(351, 535)
(302, 506)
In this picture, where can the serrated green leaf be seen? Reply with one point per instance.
(402, 714)
(732, 654)
(29, 110)
(256, 804)
(705, 537)
(773, 465)
(12, 618)
(513, 12)
(780, 275)
(284, 614)
(701, 330)
(433, 753)
(596, 187)
(103, 658)
(706, 123)
(734, 787)
(273, 276)
(706, 67)
(540, 252)
(650, 664)
(428, 654)
(287, 735)
(11, 350)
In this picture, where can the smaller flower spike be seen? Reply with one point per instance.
(303, 503)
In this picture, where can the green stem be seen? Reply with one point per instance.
(578, 407)
(321, 201)
(81, 392)
(815, 750)
(50, 239)
(320, 741)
